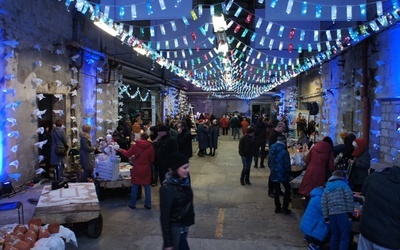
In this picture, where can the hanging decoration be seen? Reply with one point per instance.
(246, 78)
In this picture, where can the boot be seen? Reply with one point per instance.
(255, 162)
(200, 153)
(213, 152)
(210, 152)
(242, 178)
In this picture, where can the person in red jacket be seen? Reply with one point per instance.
(224, 124)
(144, 155)
(319, 162)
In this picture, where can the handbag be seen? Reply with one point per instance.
(61, 150)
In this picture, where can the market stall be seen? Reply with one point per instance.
(74, 203)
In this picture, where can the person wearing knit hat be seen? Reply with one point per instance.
(176, 203)
(360, 164)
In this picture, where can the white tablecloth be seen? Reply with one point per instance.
(75, 193)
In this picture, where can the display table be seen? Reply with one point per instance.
(123, 181)
(75, 204)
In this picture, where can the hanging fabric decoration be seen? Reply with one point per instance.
(333, 13)
(349, 12)
(268, 29)
(379, 8)
(302, 35)
(304, 8)
(238, 11)
(194, 15)
(133, 11)
(318, 11)
(162, 4)
(162, 28)
(291, 33)
(185, 21)
(290, 48)
(248, 18)
(149, 8)
(289, 6)
(280, 32)
(121, 12)
(194, 37)
(237, 28)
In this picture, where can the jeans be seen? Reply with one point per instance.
(225, 131)
(147, 193)
(340, 231)
(246, 161)
(179, 238)
(235, 131)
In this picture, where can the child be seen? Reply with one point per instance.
(312, 223)
(338, 206)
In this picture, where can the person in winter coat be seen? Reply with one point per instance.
(312, 223)
(165, 146)
(235, 125)
(176, 204)
(58, 138)
(224, 124)
(247, 150)
(337, 204)
(279, 163)
(319, 162)
(260, 140)
(202, 138)
(244, 124)
(361, 164)
(213, 131)
(184, 140)
(273, 138)
(380, 218)
(86, 153)
(144, 155)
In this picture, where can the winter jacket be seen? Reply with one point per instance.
(224, 122)
(337, 198)
(185, 143)
(244, 125)
(247, 147)
(202, 136)
(260, 134)
(213, 131)
(86, 152)
(235, 122)
(58, 138)
(144, 156)
(176, 206)
(360, 168)
(164, 147)
(279, 162)
(313, 223)
(380, 217)
(318, 161)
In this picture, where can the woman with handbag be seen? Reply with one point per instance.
(59, 142)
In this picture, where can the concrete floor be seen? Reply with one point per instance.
(228, 215)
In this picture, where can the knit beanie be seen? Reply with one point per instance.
(177, 160)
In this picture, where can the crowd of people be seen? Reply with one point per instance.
(333, 173)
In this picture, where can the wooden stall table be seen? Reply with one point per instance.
(75, 204)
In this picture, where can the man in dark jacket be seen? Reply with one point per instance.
(380, 218)
(279, 163)
(260, 140)
(235, 125)
(247, 150)
(184, 140)
(165, 146)
(273, 137)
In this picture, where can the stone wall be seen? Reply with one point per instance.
(389, 137)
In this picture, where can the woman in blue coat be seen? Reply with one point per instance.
(202, 137)
(312, 223)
